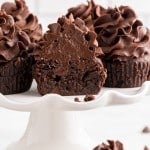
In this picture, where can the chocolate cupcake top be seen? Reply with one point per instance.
(87, 12)
(24, 19)
(61, 31)
(112, 145)
(121, 35)
(13, 41)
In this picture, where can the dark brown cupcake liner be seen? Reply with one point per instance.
(16, 76)
(15, 84)
(17, 66)
(126, 74)
(149, 75)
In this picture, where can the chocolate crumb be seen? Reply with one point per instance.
(146, 148)
(88, 98)
(112, 145)
(146, 129)
(76, 99)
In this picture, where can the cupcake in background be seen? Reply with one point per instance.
(87, 12)
(15, 57)
(126, 45)
(24, 19)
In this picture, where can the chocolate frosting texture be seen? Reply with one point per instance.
(88, 12)
(24, 19)
(112, 145)
(122, 35)
(13, 41)
(57, 29)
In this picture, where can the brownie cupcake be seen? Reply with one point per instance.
(15, 58)
(24, 19)
(66, 62)
(87, 12)
(126, 45)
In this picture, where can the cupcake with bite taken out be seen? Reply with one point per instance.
(67, 60)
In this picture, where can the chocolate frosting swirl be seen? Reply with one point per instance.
(24, 19)
(13, 41)
(88, 12)
(112, 145)
(122, 35)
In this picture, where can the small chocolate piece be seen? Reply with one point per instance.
(112, 145)
(146, 148)
(146, 129)
(88, 98)
(76, 99)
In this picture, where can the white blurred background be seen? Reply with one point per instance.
(48, 11)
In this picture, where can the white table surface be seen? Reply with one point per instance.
(123, 122)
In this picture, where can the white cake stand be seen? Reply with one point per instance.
(54, 123)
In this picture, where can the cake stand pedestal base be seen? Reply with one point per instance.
(53, 130)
